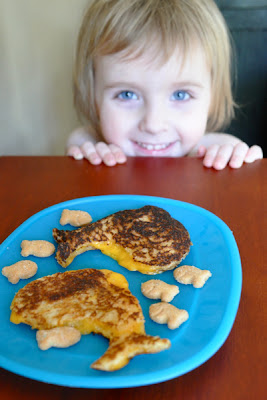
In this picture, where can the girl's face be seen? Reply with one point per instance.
(150, 109)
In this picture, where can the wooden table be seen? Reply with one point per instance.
(237, 370)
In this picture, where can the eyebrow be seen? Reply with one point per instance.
(189, 83)
(174, 84)
(122, 84)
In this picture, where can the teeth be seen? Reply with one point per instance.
(152, 146)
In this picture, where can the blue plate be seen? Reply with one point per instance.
(212, 309)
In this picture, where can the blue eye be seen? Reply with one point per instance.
(127, 95)
(180, 95)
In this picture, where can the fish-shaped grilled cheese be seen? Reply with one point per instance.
(147, 239)
(89, 300)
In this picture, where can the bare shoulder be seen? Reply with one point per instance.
(212, 138)
(79, 136)
(219, 138)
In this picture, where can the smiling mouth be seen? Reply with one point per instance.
(154, 147)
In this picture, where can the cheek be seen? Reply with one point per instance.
(195, 123)
(198, 120)
(112, 126)
(192, 128)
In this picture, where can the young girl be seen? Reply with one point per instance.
(152, 78)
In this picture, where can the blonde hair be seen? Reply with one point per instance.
(112, 26)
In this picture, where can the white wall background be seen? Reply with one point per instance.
(37, 45)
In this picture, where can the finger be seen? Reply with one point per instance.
(201, 151)
(254, 153)
(239, 153)
(89, 152)
(210, 155)
(223, 156)
(75, 152)
(105, 154)
(120, 157)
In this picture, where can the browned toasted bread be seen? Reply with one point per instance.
(147, 239)
(91, 301)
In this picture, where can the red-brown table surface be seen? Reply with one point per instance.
(238, 369)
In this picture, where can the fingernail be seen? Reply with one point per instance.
(95, 160)
(236, 163)
(121, 159)
(249, 160)
(110, 163)
(219, 165)
(208, 163)
(78, 156)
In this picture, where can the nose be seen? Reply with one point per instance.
(154, 119)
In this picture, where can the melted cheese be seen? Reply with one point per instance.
(86, 326)
(123, 258)
(115, 278)
(16, 318)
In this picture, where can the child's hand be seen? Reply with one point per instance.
(218, 156)
(109, 154)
